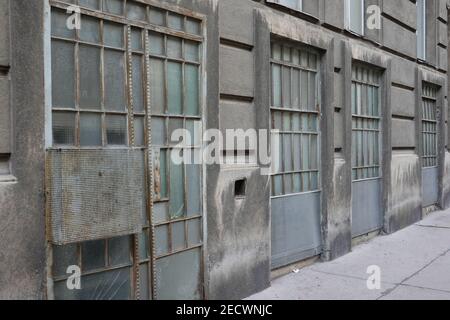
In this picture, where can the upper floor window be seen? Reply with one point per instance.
(421, 29)
(293, 4)
(354, 16)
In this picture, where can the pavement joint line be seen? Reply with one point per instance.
(350, 277)
(425, 288)
(414, 274)
(430, 226)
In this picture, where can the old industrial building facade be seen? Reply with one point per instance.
(86, 116)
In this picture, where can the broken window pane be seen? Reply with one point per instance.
(63, 128)
(90, 129)
(116, 130)
(63, 74)
(115, 92)
(90, 77)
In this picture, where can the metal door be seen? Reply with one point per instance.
(295, 119)
(126, 80)
(429, 146)
(367, 212)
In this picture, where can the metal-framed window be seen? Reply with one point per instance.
(292, 4)
(366, 123)
(354, 16)
(429, 126)
(128, 58)
(421, 28)
(295, 113)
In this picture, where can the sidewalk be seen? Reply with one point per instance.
(414, 264)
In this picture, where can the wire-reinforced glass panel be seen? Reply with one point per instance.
(295, 120)
(429, 126)
(366, 121)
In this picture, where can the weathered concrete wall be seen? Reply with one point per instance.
(405, 199)
(22, 224)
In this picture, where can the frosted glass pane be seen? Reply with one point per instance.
(113, 34)
(178, 236)
(157, 80)
(63, 74)
(276, 85)
(136, 11)
(192, 91)
(138, 85)
(90, 29)
(119, 250)
(162, 240)
(90, 130)
(174, 87)
(59, 27)
(173, 47)
(156, 41)
(175, 21)
(113, 6)
(356, 16)
(158, 131)
(90, 77)
(191, 51)
(136, 39)
(193, 192)
(157, 16)
(116, 130)
(93, 255)
(139, 131)
(194, 232)
(63, 257)
(176, 203)
(93, 4)
(193, 26)
(115, 92)
(63, 128)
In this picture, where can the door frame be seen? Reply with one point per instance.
(423, 75)
(372, 57)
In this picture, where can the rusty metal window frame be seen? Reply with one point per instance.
(366, 123)
(429, 126)
(143, 244)
(296, 120)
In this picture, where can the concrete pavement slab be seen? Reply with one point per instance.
(413, 293)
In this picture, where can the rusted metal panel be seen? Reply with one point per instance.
(94, 194)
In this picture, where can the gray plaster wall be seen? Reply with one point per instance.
(22, 223)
